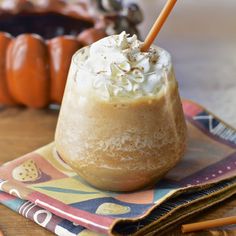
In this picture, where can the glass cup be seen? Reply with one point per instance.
(122, 144)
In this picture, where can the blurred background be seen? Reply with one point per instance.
(201, 36)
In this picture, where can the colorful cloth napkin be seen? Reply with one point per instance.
(42, 187)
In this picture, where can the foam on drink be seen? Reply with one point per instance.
(116, 68)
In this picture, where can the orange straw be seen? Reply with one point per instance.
(158, 24)
(208, 224)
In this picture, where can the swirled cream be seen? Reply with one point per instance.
(116, 68)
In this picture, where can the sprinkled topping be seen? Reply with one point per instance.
(119, 69)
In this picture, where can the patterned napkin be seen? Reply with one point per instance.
(40, 186)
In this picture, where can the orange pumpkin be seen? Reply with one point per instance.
(28, 71)
(90, 36)
(61, 50)
(5, 97)
(36, 71)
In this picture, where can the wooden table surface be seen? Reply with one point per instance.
(201, 36)
(23, 130)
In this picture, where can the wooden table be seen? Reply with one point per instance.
(202, 41)
(23, 130)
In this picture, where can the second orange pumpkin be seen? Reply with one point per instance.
(28, 71)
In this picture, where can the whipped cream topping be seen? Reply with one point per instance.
(118, 68)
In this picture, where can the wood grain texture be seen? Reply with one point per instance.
(23, 130)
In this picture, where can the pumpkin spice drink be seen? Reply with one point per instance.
(121, 124)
